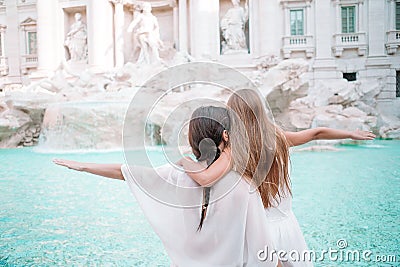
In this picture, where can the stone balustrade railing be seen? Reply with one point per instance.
(355, 40)
(393, 41)
(28, 62)
(298, 43)
(350, 38)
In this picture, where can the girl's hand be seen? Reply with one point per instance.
(70, 164)
(184, 160)
(191, 166)
(362, 135)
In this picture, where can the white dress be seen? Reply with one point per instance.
(286, 233)
(234, 230)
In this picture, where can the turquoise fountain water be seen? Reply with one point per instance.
(53, 216)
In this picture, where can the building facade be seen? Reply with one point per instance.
(351, 39)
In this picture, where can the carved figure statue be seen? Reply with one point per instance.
(232, 28)
(146, 34)
(76, 40)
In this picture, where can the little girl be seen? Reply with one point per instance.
(269, 168)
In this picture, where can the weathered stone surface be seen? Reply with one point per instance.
(334, 103)
(84, 110)
(13, 124)
(353, 112)
(83, 126)
(390, 127)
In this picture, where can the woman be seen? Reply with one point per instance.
(227, 232)
(272, 177)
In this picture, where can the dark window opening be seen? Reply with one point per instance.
(397, 83)
(350, 76)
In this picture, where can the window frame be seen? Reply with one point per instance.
(296, 29)
(27, 42)
(355, 18)
(397, 83)
(397, 15)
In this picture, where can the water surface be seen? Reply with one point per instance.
(53, 216)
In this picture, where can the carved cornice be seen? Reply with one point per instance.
(288, 3)
(28, 22)
(154, 3)
(338, 2)
(117, 1)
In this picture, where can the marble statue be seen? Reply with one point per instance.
(146, 34)
(76, 41)
(58, 82)
(232, 28)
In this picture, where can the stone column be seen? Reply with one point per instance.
(12, 45)
(392, 17)
(205, 28)
(286, 14)
(100, 35)
(119, 20)
(183, 29)
(376, 31)
(255, 42)
(175, 18)
(309, 32)
(324, 64)
(47, 36)
(271, 27)
(308, 17)
(361, 17)
(338, 16)
(323, 28)
(377, 64)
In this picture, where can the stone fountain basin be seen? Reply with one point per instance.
(82, 125)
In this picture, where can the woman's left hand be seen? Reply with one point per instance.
(70, 164)
(362, 135)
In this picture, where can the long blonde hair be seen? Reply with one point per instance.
(265, 158)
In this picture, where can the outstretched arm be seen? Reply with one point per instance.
(106, 170)
(302, 137)
(207, 176)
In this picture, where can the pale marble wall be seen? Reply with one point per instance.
(199, 33)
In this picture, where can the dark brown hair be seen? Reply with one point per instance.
(205, 135)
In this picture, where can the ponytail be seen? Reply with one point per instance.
(206, 195)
